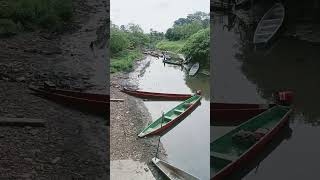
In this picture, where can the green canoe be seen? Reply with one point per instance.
(234, 149)
(174, 115)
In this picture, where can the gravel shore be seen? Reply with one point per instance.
(127, 120)
(73, 144)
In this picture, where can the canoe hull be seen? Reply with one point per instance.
(253, 151)
(223, 113)
(263, 37)
(172, 172)
(173, 121)
(157, 96)
(172, 62)
(194, 69)
(100, 107)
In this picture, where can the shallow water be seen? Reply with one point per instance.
(242, 74)
(187, 144)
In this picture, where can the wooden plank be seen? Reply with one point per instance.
(223, 156)
(117, 100)
(4, 121)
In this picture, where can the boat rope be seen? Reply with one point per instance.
(159, 136)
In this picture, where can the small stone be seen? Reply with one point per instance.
(28, 159)
(21, 79)
(146, 169)
(11, 116)
(55, 160)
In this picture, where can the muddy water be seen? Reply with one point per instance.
(187, 144)
(242, 74)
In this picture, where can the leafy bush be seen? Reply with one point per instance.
(49, 14)
(183, 28)
(124, 60)
(174, 46)
(197, 47)
(8, 27)
(118, 41)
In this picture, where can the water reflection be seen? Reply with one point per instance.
(242, 74)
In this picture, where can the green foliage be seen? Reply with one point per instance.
(8, 27)
(174, 46)
(197, 47)
(125, 45)
(183, 28)
(123, 61)
(119, 40)
(31, 14)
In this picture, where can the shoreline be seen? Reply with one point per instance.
(73, 144)
(127, 120)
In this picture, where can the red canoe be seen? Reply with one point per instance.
(225, 113)
(98, 103)
(158, 96)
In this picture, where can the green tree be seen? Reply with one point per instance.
(118, 40)
(197, 47)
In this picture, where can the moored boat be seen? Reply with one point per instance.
(172, 172)
(194, 69)
(171, 117)
(155, 95)
(226, 113)
(92, 102)
(170, 61)
(85, 95)
(269, 24)
(231, 151)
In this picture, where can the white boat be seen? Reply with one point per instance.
(172, 172)
(269, 24)
(194, 69)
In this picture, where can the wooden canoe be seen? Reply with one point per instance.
(93, 102)
(231, 151)
(171, 117)
(154, 95)
(194, 69)
(85, 95)
(231, 113)
(173, 173)
(169, 61)
(269, 24)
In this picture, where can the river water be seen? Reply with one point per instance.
(243, 74)
(187, 144)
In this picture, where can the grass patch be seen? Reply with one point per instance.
(34, 14)
(123, 61)
(173, 46)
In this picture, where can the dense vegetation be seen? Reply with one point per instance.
(197, 47)
(21, 15)
(127, 43)
(190, 36)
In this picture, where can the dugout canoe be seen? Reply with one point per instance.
(171, 117)
(194, 69)
(156, 95)
(236, 148)
(98, 103)
(225, 113)
(170, 61)
(172, 172)
(269, 24)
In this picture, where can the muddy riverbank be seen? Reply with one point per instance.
(73, 144)
(127, 119)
